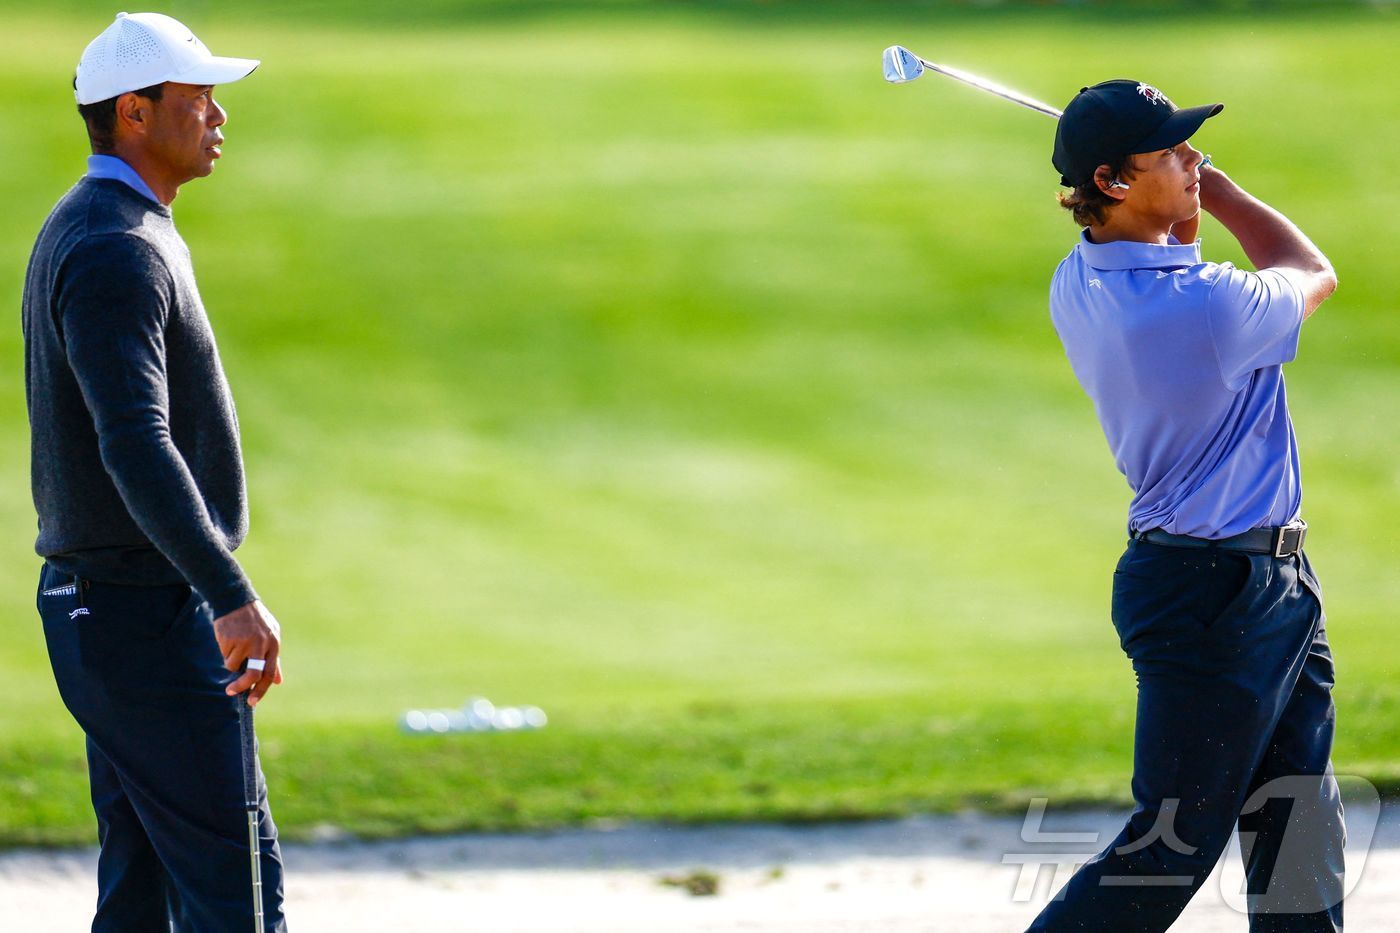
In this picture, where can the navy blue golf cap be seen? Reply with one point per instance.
(1119, 118)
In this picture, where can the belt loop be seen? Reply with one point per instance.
(79, 584)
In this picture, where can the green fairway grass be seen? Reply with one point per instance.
(700, 389)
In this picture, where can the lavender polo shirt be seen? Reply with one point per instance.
(1183, 361)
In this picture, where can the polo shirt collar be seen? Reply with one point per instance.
(106, 166)
(1129, 254)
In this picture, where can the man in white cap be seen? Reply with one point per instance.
(154, 632)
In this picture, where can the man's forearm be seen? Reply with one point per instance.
(162, 498)
(1268, 238)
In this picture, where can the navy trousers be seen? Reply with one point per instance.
(1234, 724)
(139, 669)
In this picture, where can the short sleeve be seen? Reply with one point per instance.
(1255, 319)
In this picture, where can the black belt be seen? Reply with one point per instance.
(1283, 541)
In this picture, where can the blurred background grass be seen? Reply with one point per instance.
(660, 365)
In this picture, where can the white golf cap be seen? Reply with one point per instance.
(142, 49)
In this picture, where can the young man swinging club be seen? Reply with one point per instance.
(1214, 601)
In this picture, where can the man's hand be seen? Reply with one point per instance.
(250, 632)
(1216, 187)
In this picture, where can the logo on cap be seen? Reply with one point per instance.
(1152, 94)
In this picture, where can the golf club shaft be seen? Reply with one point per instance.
(255, 854)
(990, 87)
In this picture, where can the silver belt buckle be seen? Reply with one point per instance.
(1297, 531)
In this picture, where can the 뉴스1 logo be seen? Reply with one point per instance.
(1152, 94)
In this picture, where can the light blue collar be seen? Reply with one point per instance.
(106, 166)
(1130, 254)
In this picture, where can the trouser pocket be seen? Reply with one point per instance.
(1175, 604)
(110, 636)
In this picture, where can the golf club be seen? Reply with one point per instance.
(250, 804)
(903, 66)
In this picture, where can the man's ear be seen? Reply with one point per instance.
(1109, 183)
(133, 112)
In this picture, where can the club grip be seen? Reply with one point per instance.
(249, 754)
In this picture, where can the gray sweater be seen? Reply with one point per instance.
(136, 470)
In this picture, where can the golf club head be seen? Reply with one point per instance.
(901, 65)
